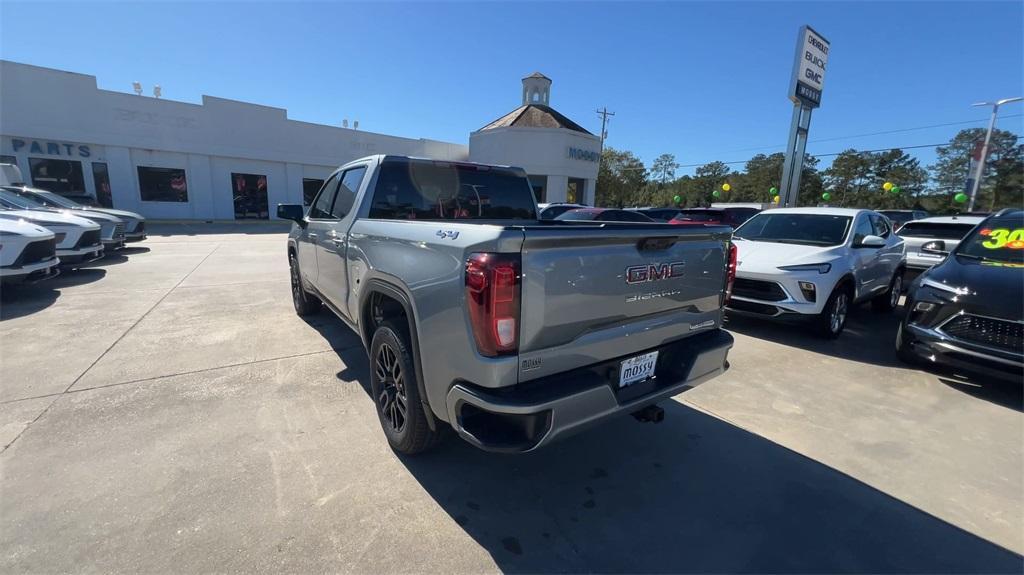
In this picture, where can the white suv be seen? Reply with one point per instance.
(27, 252)
(815, 263)
(78, 239)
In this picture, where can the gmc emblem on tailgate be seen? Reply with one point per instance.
(653, 272)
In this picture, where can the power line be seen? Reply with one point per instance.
(886, 132)
(831, 154)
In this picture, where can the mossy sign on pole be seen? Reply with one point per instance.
(805, 89)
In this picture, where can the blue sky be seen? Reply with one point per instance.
(703, 81)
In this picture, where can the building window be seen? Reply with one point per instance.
(574, 191)
(310, 186)
(162, 184)
(250, 192)
(8, 160)
(101, 180)
(59, 176)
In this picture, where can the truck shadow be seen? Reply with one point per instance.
(692, 494)
(868, 338)
(871, 338)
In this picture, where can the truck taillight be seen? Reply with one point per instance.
(730, 271)
(492, 296)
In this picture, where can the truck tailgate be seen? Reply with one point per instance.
(592, 292)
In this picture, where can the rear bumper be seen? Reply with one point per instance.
(531, 415)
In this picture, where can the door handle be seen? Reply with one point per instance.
(311, 235)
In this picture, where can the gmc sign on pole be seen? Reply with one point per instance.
(809, 68)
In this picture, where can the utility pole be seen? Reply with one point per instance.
(604, 113)
(984, 149)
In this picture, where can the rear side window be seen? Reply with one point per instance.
(737, 216)
(700, 216)
(321, 209)
(935, 231)
(441, 191)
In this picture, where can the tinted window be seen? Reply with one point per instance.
(862, 230)
(321, 209)
(623, 216)
(250, 195)
(441, 191)
(347, 192)
(880, 226)
(999, 240)
(736, 216)
(552, 212)
(700, 216)
(664, 215)
(809, 229)
(101, 181)
(578, 214)
(310, 186)
(937, 231)
(162, 184)
(61, 176)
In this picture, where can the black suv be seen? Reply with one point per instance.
(968, 311)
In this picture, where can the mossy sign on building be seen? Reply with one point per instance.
(581, 154)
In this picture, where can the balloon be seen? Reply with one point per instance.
(826, 196)
(960, 198)
(775, 199)
(887, 186)
(774, 191)
(726, 187)
(716, 193)
(895, 189)
(677, 199)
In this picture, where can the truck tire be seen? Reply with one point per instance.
(395, 392)
(304, 302)
(889, 300)
(832, 319)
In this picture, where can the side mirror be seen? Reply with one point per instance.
(293, 212)
(871, 242)
(937, 248)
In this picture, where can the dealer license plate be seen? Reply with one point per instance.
(637, 368)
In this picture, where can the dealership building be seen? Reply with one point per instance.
(225, 159)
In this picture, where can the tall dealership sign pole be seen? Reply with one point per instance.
(805, 92)
(976, 182)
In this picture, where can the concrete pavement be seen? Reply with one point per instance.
(169, 412)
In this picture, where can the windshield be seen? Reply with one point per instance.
(996, 240)
(52, 199)
(806, 229)
(11, 199)
(934, 230)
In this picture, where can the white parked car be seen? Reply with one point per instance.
(27, 252)
(948, 230)
(78, 239)
(816, 263)
(134, 224)
(111, 227)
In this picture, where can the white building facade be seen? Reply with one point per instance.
(225, 159)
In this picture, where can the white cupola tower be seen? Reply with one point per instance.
(537, 89)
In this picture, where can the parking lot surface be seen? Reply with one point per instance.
(168, 412)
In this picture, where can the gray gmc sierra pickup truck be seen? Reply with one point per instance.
(512, 330)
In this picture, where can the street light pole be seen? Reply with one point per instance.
(984, 148)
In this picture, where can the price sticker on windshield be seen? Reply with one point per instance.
(1002, 237)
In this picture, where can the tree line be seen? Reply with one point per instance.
(855, 178)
